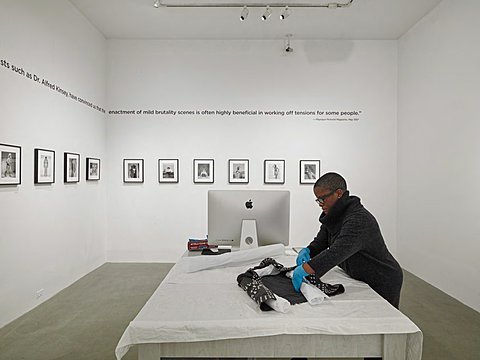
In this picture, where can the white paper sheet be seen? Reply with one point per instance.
(279, 304)
(314, 295)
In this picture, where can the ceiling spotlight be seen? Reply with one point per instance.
(267, 13)
(286, 13)
(288, 48)
(156, 3)
(244, 14)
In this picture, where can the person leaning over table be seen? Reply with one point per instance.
(349, 237)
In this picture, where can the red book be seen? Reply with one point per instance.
(200, 246)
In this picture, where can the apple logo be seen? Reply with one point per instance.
(249, 204)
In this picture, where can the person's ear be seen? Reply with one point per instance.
(339, 193)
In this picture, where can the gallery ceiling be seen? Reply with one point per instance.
(363, 19)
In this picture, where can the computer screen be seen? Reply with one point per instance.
(228, 208)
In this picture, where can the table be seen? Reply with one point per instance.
(206, 314)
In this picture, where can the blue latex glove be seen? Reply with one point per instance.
(303, 256)
(298, 277)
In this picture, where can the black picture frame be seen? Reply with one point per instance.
(203, 171)
(44, 166)
(238, 171)
(10, 164)
(274, 171)
(168, 171)
(309, 171)
(92, 169)
(133, 170)
(71, 167)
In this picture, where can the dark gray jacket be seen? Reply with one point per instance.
(350, 237)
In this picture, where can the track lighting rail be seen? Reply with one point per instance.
(175, 4)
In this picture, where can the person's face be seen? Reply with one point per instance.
(326, 198)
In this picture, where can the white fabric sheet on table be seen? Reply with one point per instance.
(209, 305)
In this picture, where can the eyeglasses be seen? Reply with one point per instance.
(320, 200)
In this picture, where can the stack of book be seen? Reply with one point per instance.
(195, 244)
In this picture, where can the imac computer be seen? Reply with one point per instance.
(247, 218)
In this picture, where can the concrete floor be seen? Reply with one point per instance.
(86, 320)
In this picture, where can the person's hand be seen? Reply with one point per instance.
(303, 256)
(298, 276)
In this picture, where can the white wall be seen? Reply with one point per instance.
(51, 235)
(152, 221)
(438, 156)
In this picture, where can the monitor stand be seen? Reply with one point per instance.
(248, 237)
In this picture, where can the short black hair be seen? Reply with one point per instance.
(331, 181)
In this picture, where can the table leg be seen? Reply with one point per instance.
(148, 352)
(394, 347)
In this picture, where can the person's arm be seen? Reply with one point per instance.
(319, 243)
(348, 242)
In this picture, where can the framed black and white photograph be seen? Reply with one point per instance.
(10, 164)
(203, 170)
(238, 171)
(44, 166)
(274, 172)
(71, 167)
(133, 170)
(93, 169)
(168, 170)
(309, 171)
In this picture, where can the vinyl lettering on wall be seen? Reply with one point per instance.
(7, 65)
(318, 115)
(312, 114)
